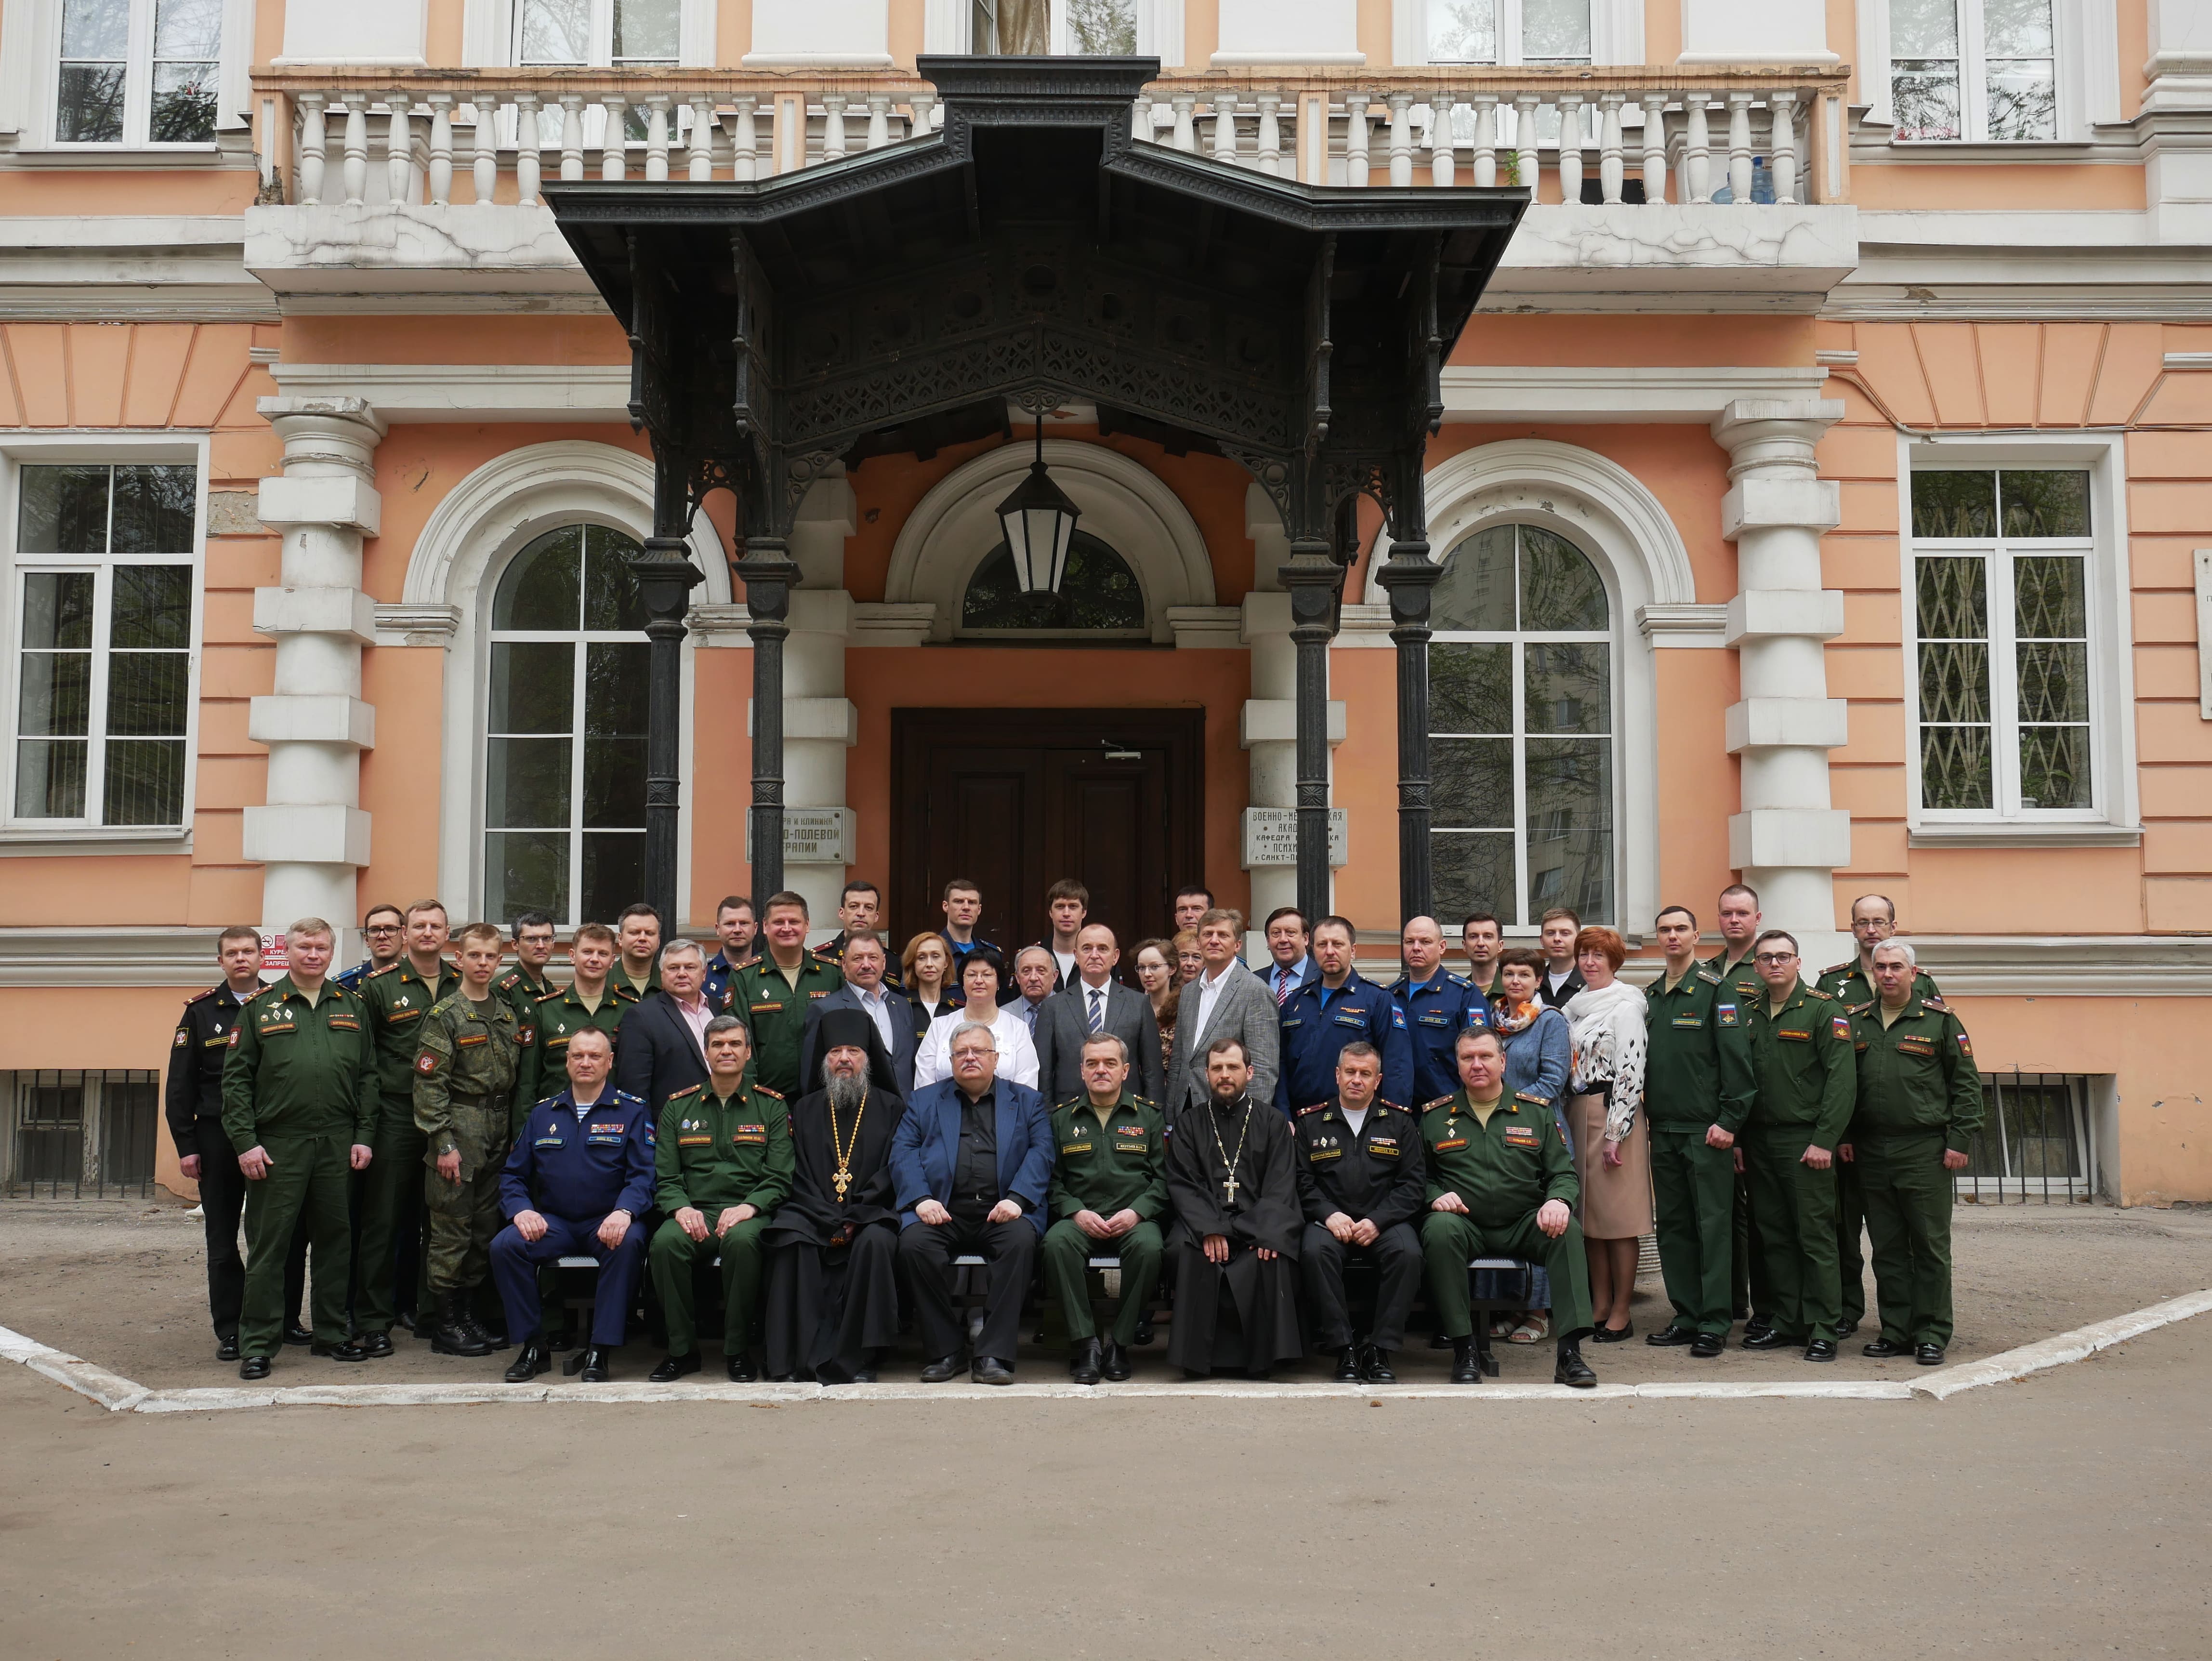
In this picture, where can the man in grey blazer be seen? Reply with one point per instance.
(1227, 1001)
(864, 961)
(1064, 1020)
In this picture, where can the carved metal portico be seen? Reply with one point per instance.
(895, 300)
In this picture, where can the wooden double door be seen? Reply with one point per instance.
(1017, 799)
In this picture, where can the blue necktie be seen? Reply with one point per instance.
(1097, 1009)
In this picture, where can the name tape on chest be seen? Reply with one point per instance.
(1521, 1135)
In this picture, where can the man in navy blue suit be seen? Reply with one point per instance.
(971, 1163)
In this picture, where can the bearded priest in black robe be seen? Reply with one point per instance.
(833, 1246)
(1238, 1227)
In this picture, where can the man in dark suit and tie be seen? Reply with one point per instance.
(890, 1016)
(1095, 1002)
(661, 1048)
(1291, 967)
(971, 1163)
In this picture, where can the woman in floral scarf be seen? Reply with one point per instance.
(1612, 1149)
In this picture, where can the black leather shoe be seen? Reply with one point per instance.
(1768, 1339)
(1708, 1345)
(1082, 1367)
(1467, 1365)
(1671, 1338)
(943, 1367)
(1437, 1341)
(377, 1346)
(1113, 1363)
(344, 1350)
(1573, 1371)
(674, 1367)
(451, 1333)
(1620, 1335)
(527, 1366)
(596, 1369)
(1882, 1349)
(1375, 1366)
(1844, 1328)
(1144, 1334)
(225, 1349)
(1758, 1327)
(407, 1318)
(1347, 1366)
(1929, 1355)
(990, 1370)
(253, 1366)
(740, 1368)
(1821, 1349)
(296, 1333)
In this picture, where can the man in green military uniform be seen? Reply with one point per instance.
(467, 1052)
(1500, 1180)
(1801, 1052)
(1920, 1105)
(1850, 983)
(399, 996)
(1697, 1091)
(524, 982)
(723, 1162)
(1749, 1295)
(772, 992)
(299, 1097)
(1110, 1191)
(588, 1000)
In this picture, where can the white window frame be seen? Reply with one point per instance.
(2113, 816)
(1616, 32)
(2087, 86)
(488, 34)
(30, 72)
(947, 27)
(21, 835)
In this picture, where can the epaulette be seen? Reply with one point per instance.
(747, 964)
(762, 1090)
(558, 992)
(1705, 974)
(197, 997)
(1316, 1108)
(1143, 1101)
(623, 991)
(1931, 1001)
(507, 978)
(1385, 1102)
(387, 970)
(1533, 1100)
(1815, 992)
(1858, 1008)
(688, 1090)
(1839, 968)
(624, 1095)
(1441, 1101)
(1457, 979)
(1072, 1101)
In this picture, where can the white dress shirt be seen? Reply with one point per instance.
(1017, 1056)
(879, 1011)
(1209, 994)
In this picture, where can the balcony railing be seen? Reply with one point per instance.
(1650, 134)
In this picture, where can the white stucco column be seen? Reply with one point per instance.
(820, 723)
(311, 835)
(1789, 838)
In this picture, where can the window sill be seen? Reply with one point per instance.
(1975, 151)
(26, 841)
(226, 151)
(2028, 834)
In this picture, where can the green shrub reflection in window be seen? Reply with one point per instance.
(1098, 593)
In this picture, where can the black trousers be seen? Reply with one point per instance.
(925, 1254)
(1396, 1257)
(222, 1204)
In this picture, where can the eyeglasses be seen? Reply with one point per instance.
(1777, 957)
(383, 928)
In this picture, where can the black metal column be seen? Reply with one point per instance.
(1313, 578)
(664, 578)
(1408, 576)
(768, 572)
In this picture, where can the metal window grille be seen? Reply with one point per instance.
(77, 1134)
(2037, 1142)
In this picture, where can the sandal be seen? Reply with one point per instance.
(1534, 1330)
(1503, 1325)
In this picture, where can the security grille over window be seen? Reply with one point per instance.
(80, 1135)
(1098, 595)
(2037, 1142)
(564, 761)
(1973, 69)
(1521, 716)
(137, 72)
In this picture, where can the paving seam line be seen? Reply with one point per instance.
(121, 1394)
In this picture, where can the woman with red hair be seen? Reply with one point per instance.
(1606, 1023)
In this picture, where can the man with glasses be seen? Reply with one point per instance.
(526, 981)
(383, 930)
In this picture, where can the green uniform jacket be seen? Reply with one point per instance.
(557, 1018)
(1503, 1170)
(294, 1071)
(1121, 1166)
(775, 1011)
(466, 1056)
(522, 990)
(398, 999)
(1803, 1060)
(1916, 1076)
(1742, 980)
(1847, 983)
(1698, 1072)
(713, 1152)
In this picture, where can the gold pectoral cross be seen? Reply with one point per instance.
(1228, 1188)
(842, 1181)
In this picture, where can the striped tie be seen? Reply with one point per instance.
(1097, 1009)
(1282, 985)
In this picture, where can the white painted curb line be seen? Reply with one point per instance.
(2075, 1346)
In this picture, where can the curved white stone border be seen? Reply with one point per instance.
(121, 1395)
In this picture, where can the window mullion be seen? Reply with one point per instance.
(1520, 783)
(576, 780)
(603, 33)
(2004, 683)
(96, 715)
(1973, 81)
(1508, 31)
(137, 107)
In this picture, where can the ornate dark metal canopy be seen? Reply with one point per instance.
(1033, 247)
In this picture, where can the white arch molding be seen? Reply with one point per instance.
(1606, 512)
(483, 522)
(954, 528)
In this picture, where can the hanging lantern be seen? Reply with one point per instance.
(1040, 524)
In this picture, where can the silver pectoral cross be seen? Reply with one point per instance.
(1228, 1188)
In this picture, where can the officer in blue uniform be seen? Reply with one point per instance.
(1335, 1008)
(1438, 1005)
(579, 1177)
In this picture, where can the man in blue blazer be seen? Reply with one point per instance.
(864, 961)
(971, 1163)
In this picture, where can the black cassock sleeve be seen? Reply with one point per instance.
(1268, 1218)
(1194, 1185)
(1274, 1220)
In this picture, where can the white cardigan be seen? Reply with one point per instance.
(1017, 1056)
(1606, 1025)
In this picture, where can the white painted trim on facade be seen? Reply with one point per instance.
(2204, 632)
(1503, 392)
(469, 392)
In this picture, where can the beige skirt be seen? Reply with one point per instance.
(1616, 1199)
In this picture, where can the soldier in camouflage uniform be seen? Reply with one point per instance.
(469, 1049)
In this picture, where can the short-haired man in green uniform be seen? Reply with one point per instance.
(1501, 1180)
(299, 1097)
(589, 1000)
(1697, 1091)
(1110, 1191)
(1850, 983)
(771, 993)
(467, 1053)
(1920, 1105)
(1801, 1049)
(1740, 921)
(525, 982)
(723, 1160)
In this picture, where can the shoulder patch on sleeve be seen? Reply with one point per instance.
(427, 1062)
(1843, 1028)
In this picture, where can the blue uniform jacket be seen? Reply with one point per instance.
(926, 1147)
(1537, 1058)
(580, 1171)
(1436, 1012)
(1317, 1023)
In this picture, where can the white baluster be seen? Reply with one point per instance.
(1271, 133)
(441, 147)
(1524, 141)
(1401, 140)
(744, 137)
(920, 102)
(1782, 150)
(356, 149)
(879, 120)
(1355, 138)
(315, 143)
(399, 148)
(614, 143)
(1486, 139)
(529, 156)
(572, 136)
(1739, 169)
(1655, 147)
(656, 137)
(1696, 148)
(833, 126)
(1442, 162)
(1141, 119)
(700, 167)
(1570, 148)
(1610, 169)
(1186, 129)
(1225, 128)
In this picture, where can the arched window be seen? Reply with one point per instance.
(564, 756)
(1521, 724)
(1098, 595)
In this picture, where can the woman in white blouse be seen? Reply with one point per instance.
(1606, 1024)
(979, 979)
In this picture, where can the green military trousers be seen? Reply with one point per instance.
(1851, 1262)
(671, 1255)
(1068, 1253)
(1450, 1242)
(1909, 1196)
(465, 1214)
(307, 1175)
(1793, 1206)
(391, 1209)
(1693, 1195)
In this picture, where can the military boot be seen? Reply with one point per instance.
(450, 1331)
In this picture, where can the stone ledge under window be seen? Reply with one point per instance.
(26, 841)
(2028, 835)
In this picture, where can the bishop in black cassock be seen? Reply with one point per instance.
(1230, 1174)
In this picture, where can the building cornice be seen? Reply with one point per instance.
(133, 956)
(1544, 391)
(469, 392)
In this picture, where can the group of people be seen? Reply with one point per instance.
(858, 1146)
